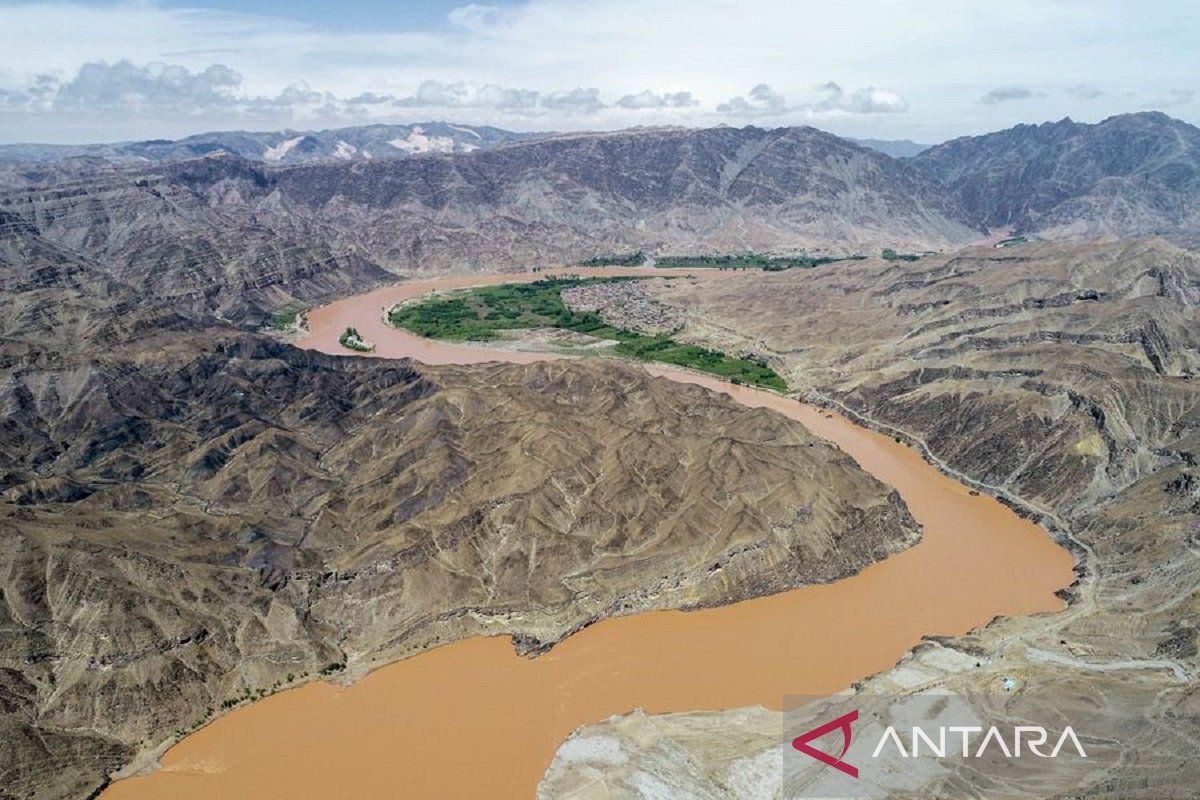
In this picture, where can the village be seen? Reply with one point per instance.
(624, 304)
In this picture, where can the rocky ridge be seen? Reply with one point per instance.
(1130, 175)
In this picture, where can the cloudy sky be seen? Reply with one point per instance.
(925, 70)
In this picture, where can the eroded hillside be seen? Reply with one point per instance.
(187, 523)
(1059, 376)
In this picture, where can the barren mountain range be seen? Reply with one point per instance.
(236, 515)
(571, 197)
(232, 511)
(364, 142)
(359, 143)
(191, 511)
(548, 201)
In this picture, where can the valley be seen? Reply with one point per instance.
(424, 710)
(253, 531)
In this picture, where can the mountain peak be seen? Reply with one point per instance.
(1129, 175)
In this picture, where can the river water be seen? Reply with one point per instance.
(474, 720)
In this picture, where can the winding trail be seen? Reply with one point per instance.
(473, 720)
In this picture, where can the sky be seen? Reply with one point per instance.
(925, 70)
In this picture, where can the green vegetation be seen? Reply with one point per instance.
(351, 339)
(627, 260)
(249, 695)
(891, 255)
(1011, 241)
(750, 261)
(479, 314)
(285, 317)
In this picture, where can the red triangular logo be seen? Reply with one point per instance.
(801, 743)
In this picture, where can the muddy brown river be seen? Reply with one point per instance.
(474, 720)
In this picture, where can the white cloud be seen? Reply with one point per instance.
(464, 94)
(584, 101)
(477, 16)
(156, 88)
(649, 99)
(102, 91)
(863, 101)
(762, 100)
(214, 96)
(935, 57)
(1085, 92)
(371, 99)
(1172, 98)
(37, 96)
(1005, 94)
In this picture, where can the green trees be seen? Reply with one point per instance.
(480, 314)
(285, 317)
(626, 260)
(749, 261)
(351, 340)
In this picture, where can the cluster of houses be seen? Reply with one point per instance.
(624, 304)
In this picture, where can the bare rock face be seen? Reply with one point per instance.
(184, 525)
(726, 755)
(1130, 175)
(1063, 376)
